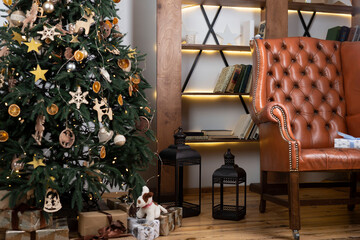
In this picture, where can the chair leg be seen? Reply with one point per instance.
(353, 181)
(294, 203)
(263, 180)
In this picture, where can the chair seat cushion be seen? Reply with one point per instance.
(329, 159)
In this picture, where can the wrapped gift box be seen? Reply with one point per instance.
(58, 231)
(5, 219)
(178, 215)
(91, 222)
(31, 220)
(17, 235)
(2, 235)
(167, 223)
(347, 141)
(143, 229)
(115, 203)
(4, 204)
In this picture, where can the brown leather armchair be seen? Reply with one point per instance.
(304, 91)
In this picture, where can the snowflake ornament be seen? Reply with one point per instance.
(48, 33)
(78, 97)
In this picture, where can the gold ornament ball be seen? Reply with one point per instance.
(85, 53)
(48, 7)
(119, 140)
(17, 18)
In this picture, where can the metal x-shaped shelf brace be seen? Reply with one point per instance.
(211, 30)
(306, 27)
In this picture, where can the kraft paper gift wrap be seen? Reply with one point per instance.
(115, 203)
(347, 141)
(143, 229)
(91, 222)
(178, 215)
(58, 231)
(167, 223)
(5, 219)
(17, 235)
(32, 220)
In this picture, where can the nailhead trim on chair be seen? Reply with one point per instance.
(288, 135)
(257, 75)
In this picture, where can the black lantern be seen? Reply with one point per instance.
(179, 155)
(229, 174)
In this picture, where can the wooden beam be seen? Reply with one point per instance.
(168, 86)
(355, 20)
(276, 17)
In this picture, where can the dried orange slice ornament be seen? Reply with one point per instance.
(116, 1)
(14, 110)
(124, 64)
(79, 55)
(96, 86)
(4, 136)
(9, 2)
(102, 152)
(52, 109)
(135, 79)
(120, 100)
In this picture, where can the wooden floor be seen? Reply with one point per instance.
(318, 222)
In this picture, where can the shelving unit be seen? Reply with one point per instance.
(215, 47)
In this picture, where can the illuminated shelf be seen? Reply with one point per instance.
(213, 94)
(215, 47)
(220, 140)
(229, 3)
(318, 7)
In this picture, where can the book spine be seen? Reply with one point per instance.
(238, 82)
(230, 87)
(221, 79)
(227, 79)
(246, 79)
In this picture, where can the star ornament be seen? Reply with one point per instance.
(49, 33)
(228, 37)
(39, 73)
(37, 163)
(18, 37)
(78, 97)
(33, 46)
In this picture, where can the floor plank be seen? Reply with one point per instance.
(318, 222)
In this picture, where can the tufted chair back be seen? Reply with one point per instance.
(305, 75)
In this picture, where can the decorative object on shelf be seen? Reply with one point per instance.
(262, 29)
(119, 140)
(4, 136)
(78, 97)
(228, 37)
(67, 138)
(147, 207)
(104, 135)
(39, 129)
(14, 110)
(230, 174)
(102, 110)
(179, 155)
(52, 201)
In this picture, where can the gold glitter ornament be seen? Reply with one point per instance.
(14, 110)
(4, 136)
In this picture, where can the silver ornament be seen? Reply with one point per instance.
(85, 53)
(48, 7)
(70, 66)
(119, 139)
(17, 18)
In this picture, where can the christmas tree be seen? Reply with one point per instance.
(74, 118)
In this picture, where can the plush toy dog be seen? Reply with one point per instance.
(147, 206)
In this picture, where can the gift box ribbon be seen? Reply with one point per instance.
(116, 229)
(349, 137)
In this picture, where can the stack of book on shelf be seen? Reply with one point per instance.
(234, 79)
(344, 33)
(245, 129)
